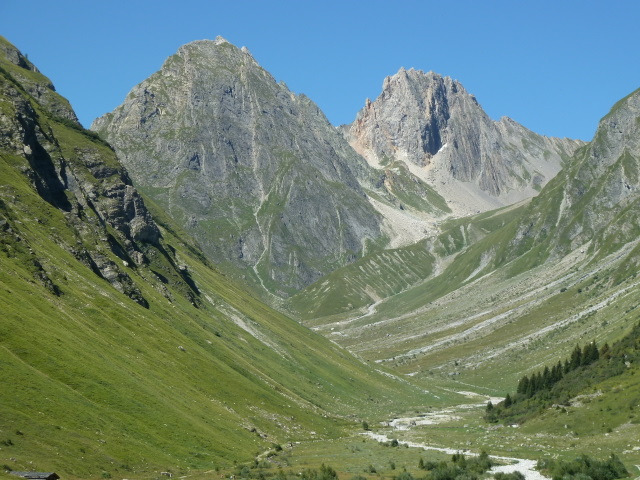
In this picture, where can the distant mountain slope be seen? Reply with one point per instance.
(433, 125)
(254, 172)
(515, 288)
(122, 352)
(594, 202)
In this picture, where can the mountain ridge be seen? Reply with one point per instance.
(248, 174)
(123, 350)
(254, 171)
(439, 130)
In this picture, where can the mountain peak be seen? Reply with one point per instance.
(439, 130)
(206, 53)
(247, 146)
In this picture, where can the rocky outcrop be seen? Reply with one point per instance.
(254, 172)
(593, 203)
(37, 86)
(444, 136)
(75, 172)
(601, 190)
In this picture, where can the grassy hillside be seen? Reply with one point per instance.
(353, 290)
(123, 354)
(589, 365)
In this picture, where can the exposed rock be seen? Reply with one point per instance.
(75, 172)
(268, 186)
(254, 172)
(444, 136)
(605, 181)
(593, 203)
(38, 86)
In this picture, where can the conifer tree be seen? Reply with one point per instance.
(508, 401)
(531, 388)
(546, 379)
(576, 358)
(590, 353)
(523, 385)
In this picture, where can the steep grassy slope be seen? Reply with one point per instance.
(122, 351)
(94, 375)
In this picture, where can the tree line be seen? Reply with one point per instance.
(545, 379)
(559, 383)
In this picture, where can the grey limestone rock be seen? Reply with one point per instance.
(38, 86)
(74, 172)
(440, 130)
(593, 203)
(605, 181)
(253, 171)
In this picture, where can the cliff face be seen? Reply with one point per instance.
(274, 193)
(441, 132)
(77, 174)
(255, 173)
(594, 201)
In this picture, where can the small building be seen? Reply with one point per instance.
(37, 475)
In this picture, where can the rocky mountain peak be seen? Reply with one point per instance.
(252, 170)
(418, 104)
(441, 132)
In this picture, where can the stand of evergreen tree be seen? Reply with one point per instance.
(547, 378)
(559, 383)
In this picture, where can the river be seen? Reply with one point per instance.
(525, 466)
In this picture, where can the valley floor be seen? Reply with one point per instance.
(399, 443)
(471, 345)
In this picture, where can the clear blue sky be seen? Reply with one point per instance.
(555, 66)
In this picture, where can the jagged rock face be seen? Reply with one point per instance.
(593, 203)
(605, 180)
(74, 172)
(255, 173)
(434, 125)
(618, 135)
(36, 85)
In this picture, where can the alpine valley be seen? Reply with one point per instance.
(215, 281)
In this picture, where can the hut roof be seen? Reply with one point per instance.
(37, 475)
